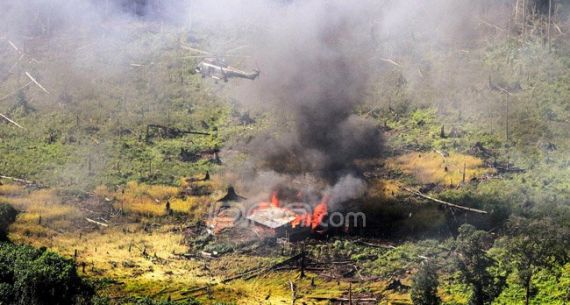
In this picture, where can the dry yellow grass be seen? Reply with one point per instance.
(143, 206)
(274, 288)
(433, 168)
(384, 188)
(195, 207)
(145, 262)
(45, 203)
(41, 214)
(11, 189)
(102, 191)
(158, 192)
(180, 205)
(27, 225)
(138, 198)
(150, 200)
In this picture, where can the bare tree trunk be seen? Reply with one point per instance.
(549, 23)
(464, 170)
(524, 18)
(303, 254)
(350, 294)
(507, 125)
(527, 290)
(293, 292)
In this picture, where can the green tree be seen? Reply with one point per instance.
(7, 217)
(474, 264)
(424, 286)
(536, 244)
(36, 277)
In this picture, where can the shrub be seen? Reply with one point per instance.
(535, 245)
(36, 277)
(474, 264)
(424, 286)
(7, 217)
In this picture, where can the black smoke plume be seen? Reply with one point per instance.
(317, 77)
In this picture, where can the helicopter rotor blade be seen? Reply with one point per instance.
(189, 48)
(198, 56)
(236, 49)
(186, 46)
(218, 57)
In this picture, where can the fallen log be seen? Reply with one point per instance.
(293, 292)
(374, 245)
(491, 25)
(11, 121)
(558, 29)
(37, 83)
(186, 255)
(312, 268)
(341, 262)
(188, 48)
(103, 220)
(449, 204)
(330, 276)
(390, 61)
(14, 46)
(254, 272)
(189, 291)
(96, 222)
(15, 91)
(443, 154)
(24, 181)
(169, 132)
(337, 299)
(245, 275)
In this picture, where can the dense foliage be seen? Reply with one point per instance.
(7, 216)
(536, 244)
(424, 286)
(474, 263)
(31, 276)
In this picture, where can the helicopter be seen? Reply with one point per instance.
(216, 67)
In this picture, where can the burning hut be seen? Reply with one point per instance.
(288, 221)
(273, 221)
(293, 220)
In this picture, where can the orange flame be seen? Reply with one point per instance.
(274, 199)
(319, 213)
(301, 220)
(312, 220)
(274, 202)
